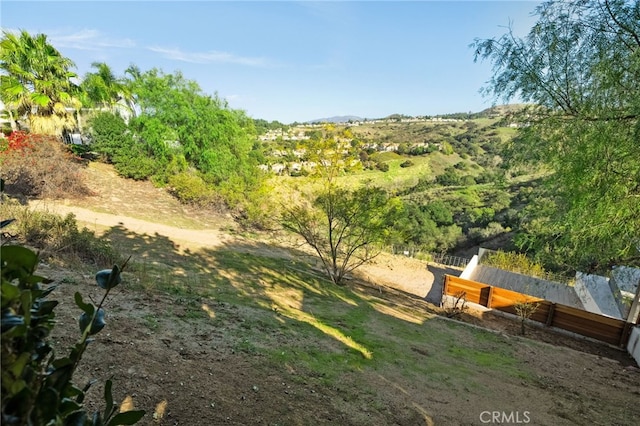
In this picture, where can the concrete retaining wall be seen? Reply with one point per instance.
(624, 285)
(595, 293)
(633, 347)
(471, 266)
(554, 292)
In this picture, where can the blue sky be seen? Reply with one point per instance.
(290, 61)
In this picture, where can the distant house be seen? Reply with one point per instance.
(278, 168)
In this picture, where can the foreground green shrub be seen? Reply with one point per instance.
(37, 387)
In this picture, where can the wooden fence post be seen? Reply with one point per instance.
(552, 311)
(485, 296)
(445, 284)
(626, 332)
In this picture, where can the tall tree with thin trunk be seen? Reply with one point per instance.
(344, 227)
(104, 89)
(579, 68)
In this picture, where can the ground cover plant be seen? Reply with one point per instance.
(54, 235)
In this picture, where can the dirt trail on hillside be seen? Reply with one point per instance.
(142, 208)
(398, 272)
(194, 237)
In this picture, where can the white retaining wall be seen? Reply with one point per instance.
(633, 346)
(596, 295)
(470, 267)
(624, 285)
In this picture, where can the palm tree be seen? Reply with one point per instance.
(36, 83)
(103, 89)
(135, 76)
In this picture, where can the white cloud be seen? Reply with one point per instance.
(88, 40)
(211, 56)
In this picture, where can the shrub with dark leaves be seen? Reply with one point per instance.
(37, 387)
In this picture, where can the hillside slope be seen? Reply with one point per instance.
(210, 327)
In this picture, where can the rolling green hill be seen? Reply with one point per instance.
(453, 163)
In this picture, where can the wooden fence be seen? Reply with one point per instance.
(440, 258)
(606, 329)
(454, 261)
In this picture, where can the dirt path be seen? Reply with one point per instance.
(398, 272)
(89, 218)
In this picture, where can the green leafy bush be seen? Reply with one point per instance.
(37, 387)
(493, 229)
(449, 178)
(109, 135)
(515, 262)
(134, 164)
(189, 188)
(383, 167)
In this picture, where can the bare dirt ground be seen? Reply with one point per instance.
(183, 371)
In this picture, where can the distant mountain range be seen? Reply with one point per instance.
(337, 119)
(494, 110)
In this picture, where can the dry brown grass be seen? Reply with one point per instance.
(42, 168)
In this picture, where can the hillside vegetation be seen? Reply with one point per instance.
(215, 327)
(261, 283)
(448, 173)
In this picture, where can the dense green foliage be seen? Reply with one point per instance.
(580, 67)
(109, 135)
(262, 126)
(37, 387)
(180, 137)
(177, 120)
(103, 89)
(150, 125)
(515, 262)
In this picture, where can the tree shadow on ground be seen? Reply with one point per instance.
(285, 283)
(439, 271)
(275, 301)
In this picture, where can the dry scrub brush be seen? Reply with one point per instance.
(55, 235)
(40, 166)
